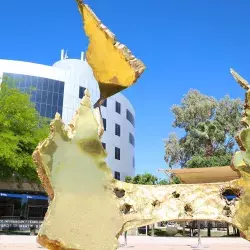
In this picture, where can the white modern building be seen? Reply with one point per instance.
(59, 88)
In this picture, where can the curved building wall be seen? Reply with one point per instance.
(60, 88)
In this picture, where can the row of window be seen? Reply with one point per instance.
(129, 115)
(34, 82)
(47, 94)
(118, 131)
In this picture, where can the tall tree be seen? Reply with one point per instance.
(149, 179)
(209, 127)
(21, 129)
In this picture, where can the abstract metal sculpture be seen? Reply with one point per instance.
(88, 208)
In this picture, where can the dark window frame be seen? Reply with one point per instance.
(130, 117)
(117, 129)
(104, 121)
(81, 92)
(117, 153)
(118, 107)
(117, 175)
(131, 139)
(104, 145)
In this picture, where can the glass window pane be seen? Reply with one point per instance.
(131, 139)
(59, 110)
(49, 99)
(60, 100)
(43, 110)
(130, 117)
(34, 82)
(44, 96)
(56, 86)
(22, 83)
(117, 175)
(49, 111)
(54, 110)
(61, 87)
(81, 92)
(118, 107)
(117, 153)
(28, 82)
(38, 107)
(39, 83)
(38, 96)
(33, 97)
(50, 85)
(117, 130)
(45, 84)
(104, 124)
(55, 99)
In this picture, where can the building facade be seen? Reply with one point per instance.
(60, 88)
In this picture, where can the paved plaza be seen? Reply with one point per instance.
(138, 242)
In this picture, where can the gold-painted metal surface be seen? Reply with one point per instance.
(205, 175)
(114, 66)
(89, 209)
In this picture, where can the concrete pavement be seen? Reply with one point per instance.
(138, 243)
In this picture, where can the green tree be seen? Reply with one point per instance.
(209, 127)
(149, 179)
(21, 129)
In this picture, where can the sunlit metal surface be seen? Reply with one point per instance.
(89, 209)
(113, 65)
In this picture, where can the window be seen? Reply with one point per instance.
(81, 92)
(130, 117)
(104, 103)
(131, 139)
(104, 124)
(117, 130)
(117, 175)
(118, 107)
(104, 145)
(133, 162)
(46, 94)
(117, 153)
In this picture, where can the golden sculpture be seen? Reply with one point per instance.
(88, 208)
(114, 67)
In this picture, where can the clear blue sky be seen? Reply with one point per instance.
(184, 44)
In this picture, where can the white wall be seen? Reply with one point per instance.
(75, 73)
(79, 73)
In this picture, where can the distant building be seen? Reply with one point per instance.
(60, 88)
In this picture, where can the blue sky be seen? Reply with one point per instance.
(184, 44)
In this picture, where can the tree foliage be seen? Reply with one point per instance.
(21, 129)
(209, 127)
(149, 179)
